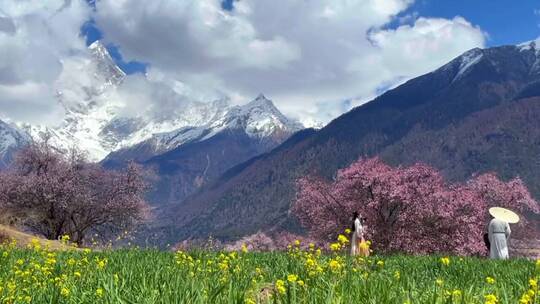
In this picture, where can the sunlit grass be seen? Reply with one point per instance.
(37, 275)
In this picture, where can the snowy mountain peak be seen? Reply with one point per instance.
(105, 63)
(261, 118)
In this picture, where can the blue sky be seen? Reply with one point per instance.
(505, 22)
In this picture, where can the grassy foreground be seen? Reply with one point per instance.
(37, 275)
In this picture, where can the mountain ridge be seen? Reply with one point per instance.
(478, 80)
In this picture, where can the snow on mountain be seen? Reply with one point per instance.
(90, 92)
(258, 119)
(11, 139)
(468, 59)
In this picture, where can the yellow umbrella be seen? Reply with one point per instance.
(504, 214)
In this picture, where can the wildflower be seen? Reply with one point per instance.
(490, 299)
(99, 292)
(301, 283)
(292, 278)
(64, 238)
(334, 265)
(297, 243)
(456, 293)
(380, 263)
(490, 280)
(311, 246)
(439, 282)
(101, 263)
(364, 246)
(343, 239)
(525, 299)
(533, 283)
(244, 248)
(335, 246)
(77, 274)
(347, 231)
(397, 275)
(64, 292)
(445, 261)
(280, 286)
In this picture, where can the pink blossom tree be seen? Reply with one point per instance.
(409, 209)
(55, 194)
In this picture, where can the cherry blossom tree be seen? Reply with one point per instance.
(57, 194)
(408, 209)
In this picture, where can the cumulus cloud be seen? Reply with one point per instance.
(308, 56)
(35, 38)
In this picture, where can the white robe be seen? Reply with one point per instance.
(499, 234)
(357, 235)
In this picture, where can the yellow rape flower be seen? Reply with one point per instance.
(456, 293)
(397, 275)
(335, 246)
(343, 239)
(380, 263)
(64, 292)
(280, 286)
(334, 265)
(347, 231)
(490, 299)
(490, 280)
(533, 283)
(292, 278)
(244, 248)
(99, 292)
(297, 242)
(439, 282)
(445, 261)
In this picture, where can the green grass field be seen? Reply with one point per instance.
(36, 275)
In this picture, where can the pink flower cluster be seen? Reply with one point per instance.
(409, 209)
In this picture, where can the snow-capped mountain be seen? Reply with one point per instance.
(190, 157)
(95, 96)
(259, 119)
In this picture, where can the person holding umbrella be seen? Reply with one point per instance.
(499, 231)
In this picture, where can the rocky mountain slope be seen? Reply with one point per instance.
(477, 113)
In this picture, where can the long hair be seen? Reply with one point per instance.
(354, 217)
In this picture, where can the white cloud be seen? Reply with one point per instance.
(35, 38)
(308, 56)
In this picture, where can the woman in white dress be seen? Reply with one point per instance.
(499, 234)
(357, 233)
